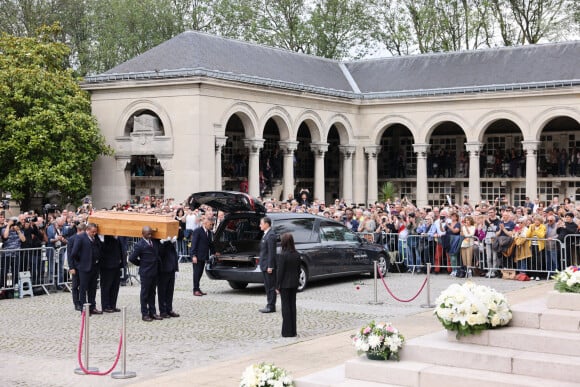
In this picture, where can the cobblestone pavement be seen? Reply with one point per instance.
(39, 336)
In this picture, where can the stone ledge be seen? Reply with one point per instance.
(564, 301)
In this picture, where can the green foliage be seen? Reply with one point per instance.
(388, 191)
(48, 137)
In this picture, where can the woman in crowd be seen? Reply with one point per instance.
(468, 233)
(537, 231)
(453, 229)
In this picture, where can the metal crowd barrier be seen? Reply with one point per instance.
(544, 257)
(40, 262)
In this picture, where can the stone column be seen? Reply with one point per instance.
(372, 174)
(288, 148)
(319, 150)
(220, 142)
(422, 186)
(347, 152)
(531, 149)
(474, 174)
(254, 146)
(122, 187)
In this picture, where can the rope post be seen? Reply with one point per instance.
(428, 304)
(79, 370)
(375, 301)
(124, 374)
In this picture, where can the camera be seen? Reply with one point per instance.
(32, 219)
(442, 217)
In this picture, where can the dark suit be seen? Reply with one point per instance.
(166, 283)
(287, 275)
(72, 264)
(201, 247)
(111, 265)
(268, 260)
(87, 254)
(146, 256)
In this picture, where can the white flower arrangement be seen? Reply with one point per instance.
(378, 341)
(568, 281)
(265, 375)
(470, 308)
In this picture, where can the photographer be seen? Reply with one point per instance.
(33, 241)
(56, 240)
(12, 238)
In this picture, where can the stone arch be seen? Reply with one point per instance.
(539, 122)
(488, 118)
(434, 121)
(314, 123)
(246, 114)
(282, 119)
(342, 124)
(144, 104)
(391, 120)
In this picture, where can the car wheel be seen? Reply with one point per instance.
(382, 264)
(303, 278)
(238, 285)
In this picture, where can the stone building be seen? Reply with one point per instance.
(201, 112)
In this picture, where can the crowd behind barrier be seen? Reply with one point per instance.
(461, 239)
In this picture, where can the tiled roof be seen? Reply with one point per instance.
(199, 54)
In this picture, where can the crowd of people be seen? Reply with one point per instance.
(460, 239)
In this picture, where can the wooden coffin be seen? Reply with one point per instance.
(130, 224)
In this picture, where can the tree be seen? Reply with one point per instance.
(48, 137)
(340, 29)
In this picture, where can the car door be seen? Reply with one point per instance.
(357, 257)
(333, 254)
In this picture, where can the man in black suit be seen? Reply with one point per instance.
(72, 266)
(146, 255)
(87, 253)
(268, 263)
(166, 283)
(201, 248)
(111, 265)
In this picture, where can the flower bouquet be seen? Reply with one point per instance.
(380, 341)
(471, 308)
(568, 281)
(265, 375)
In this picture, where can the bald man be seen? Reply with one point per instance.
(146, 255)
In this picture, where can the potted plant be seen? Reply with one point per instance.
(379, 341)
(388, 191)
(470, 308)
(265, 375)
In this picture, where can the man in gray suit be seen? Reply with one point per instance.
(268, 263)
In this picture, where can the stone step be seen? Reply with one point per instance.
(535, 314)
(437, 350)
(334, 377)
(563, 301)
(418, 374)
(525, 339)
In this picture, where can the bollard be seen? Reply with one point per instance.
(376, 301)
(79, 370)
(428, 304)
(124, 374)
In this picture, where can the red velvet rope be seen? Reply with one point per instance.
(395, 297)
(82, 366)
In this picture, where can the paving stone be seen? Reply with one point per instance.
(39, 336)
